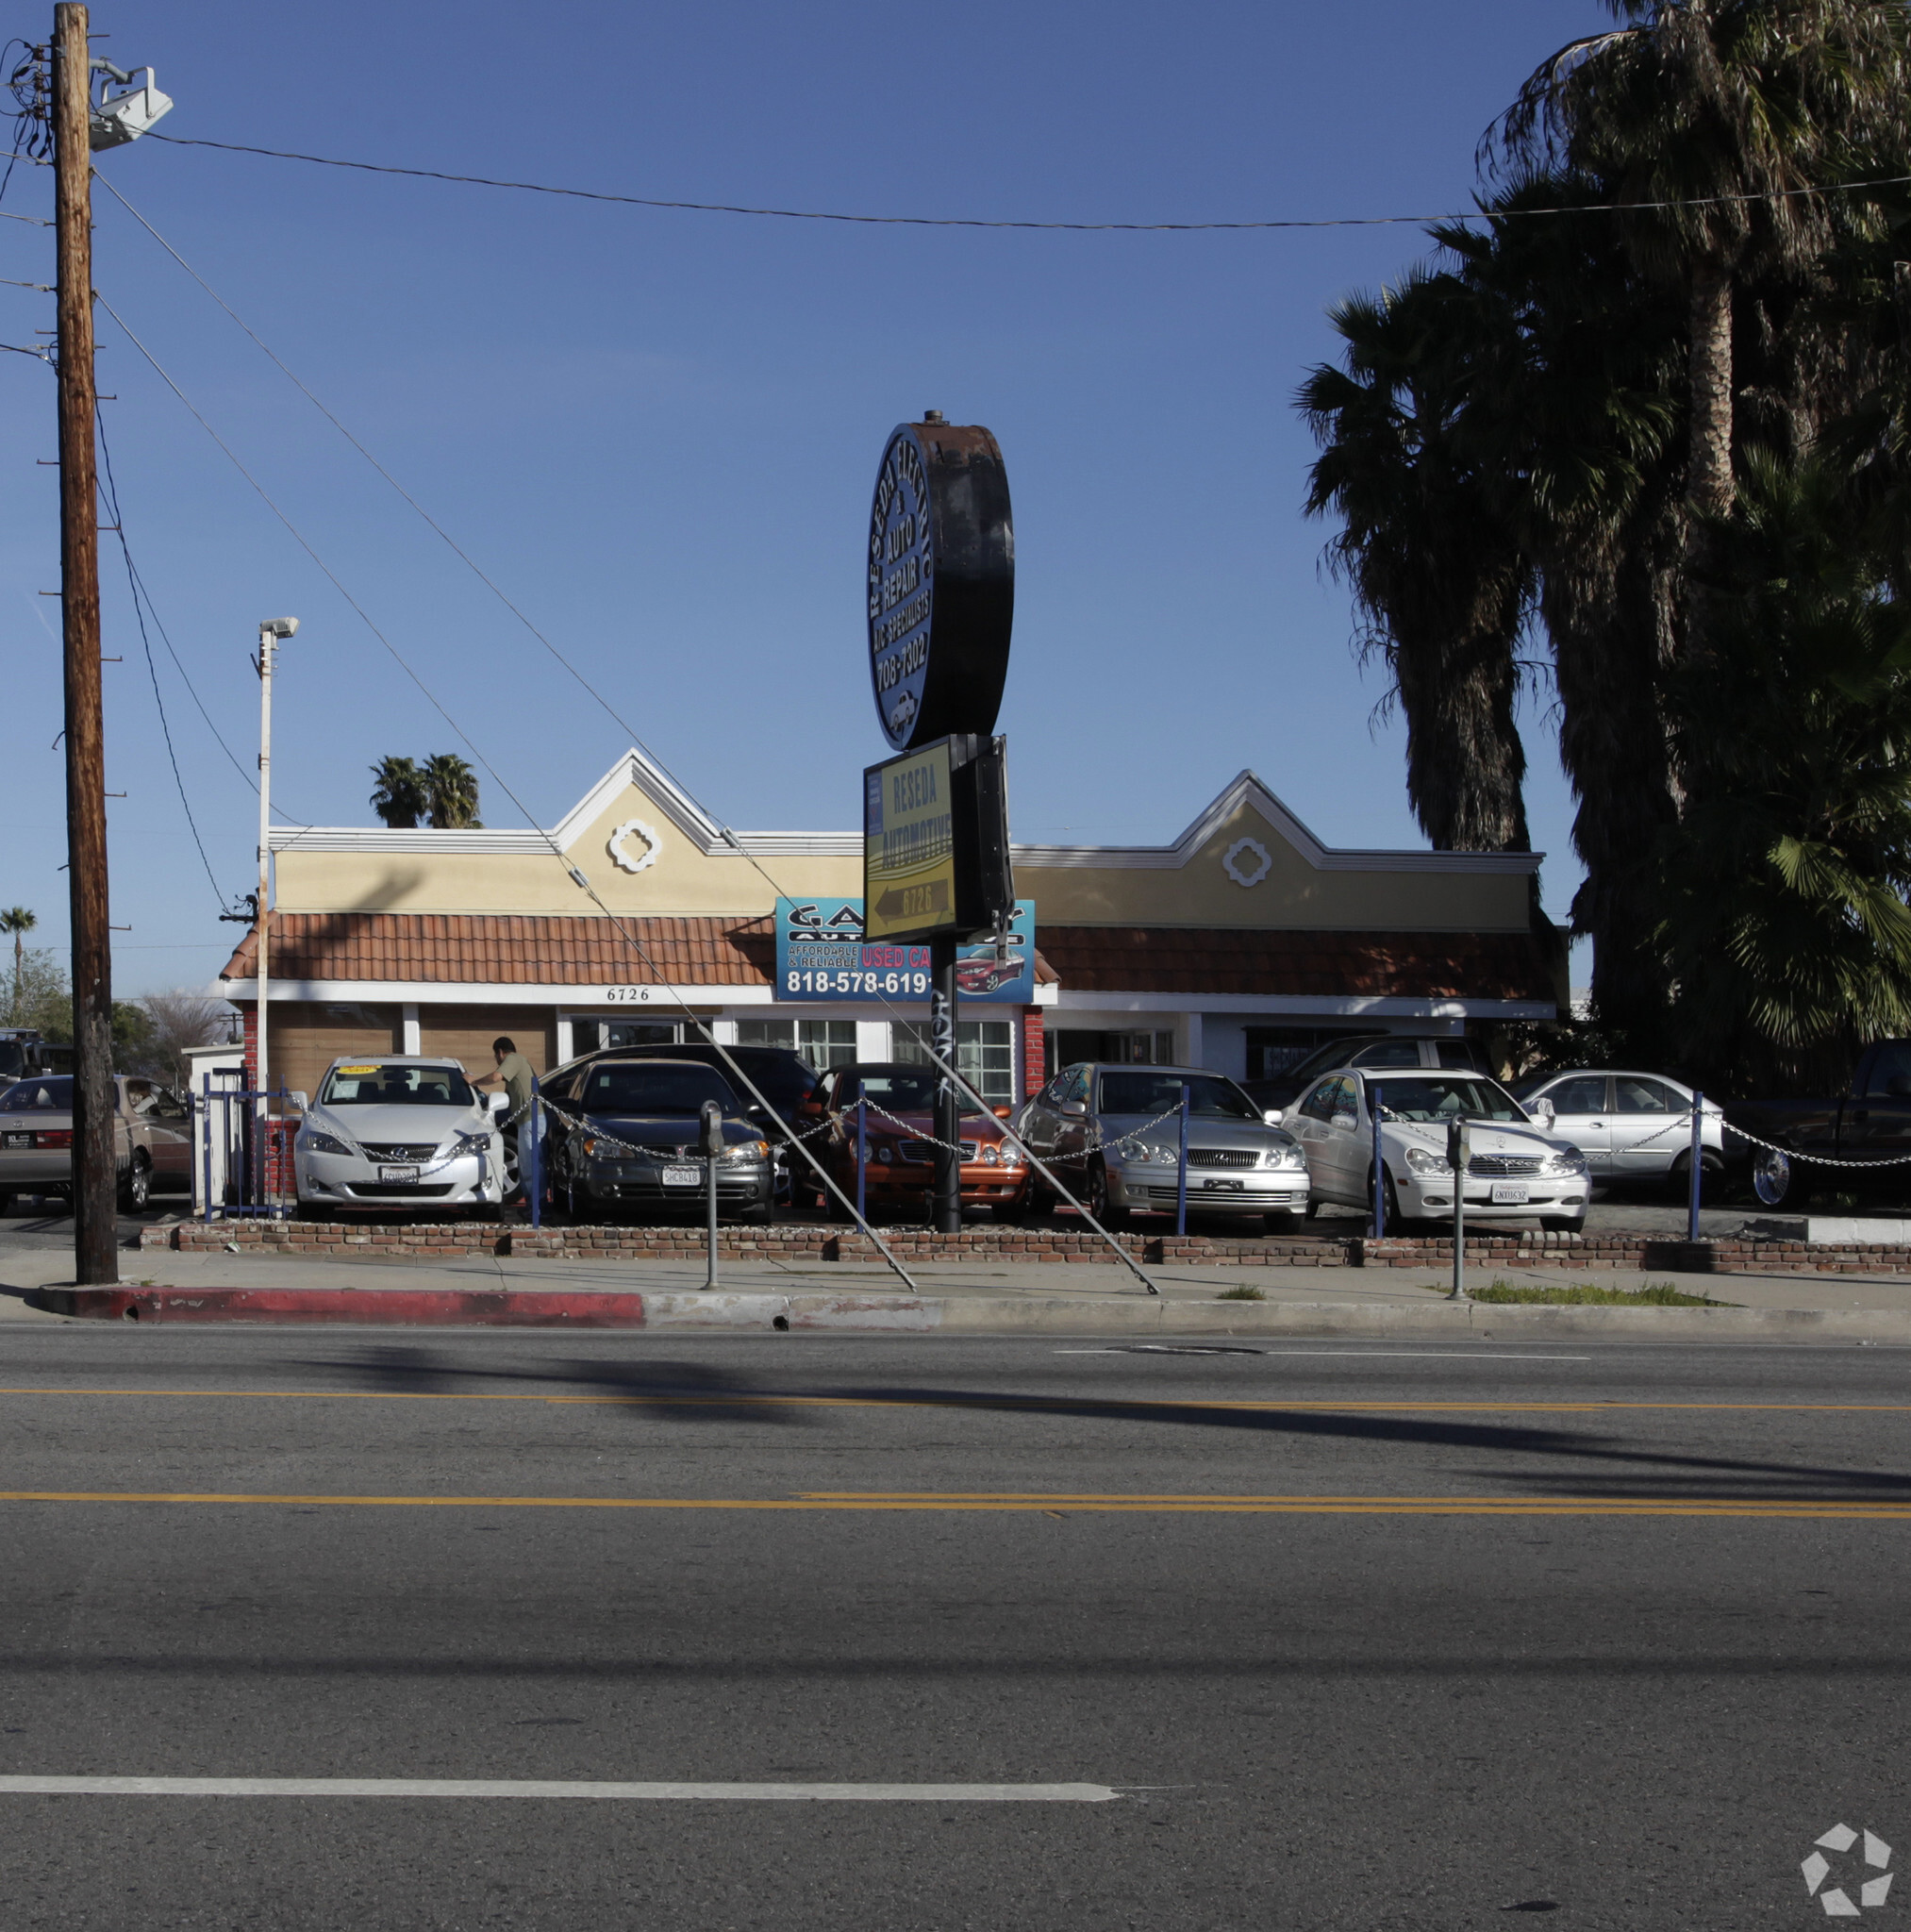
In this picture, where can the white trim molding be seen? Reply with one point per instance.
(1346, 1006)
(595, 1000)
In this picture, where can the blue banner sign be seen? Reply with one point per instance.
(821, 955)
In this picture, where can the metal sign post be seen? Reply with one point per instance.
(1698, 1173)
(1459, 1158)
(1379, 1167)
(1181, 1182)
(948, 1199)
(711, 1136)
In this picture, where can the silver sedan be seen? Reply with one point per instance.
(392, 1133)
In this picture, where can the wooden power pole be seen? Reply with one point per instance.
(95, 1235)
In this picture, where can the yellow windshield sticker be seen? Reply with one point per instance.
(357, 1069)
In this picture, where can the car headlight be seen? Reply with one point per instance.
(882, 1154)
(991, 1157)
(1424, 1160)
(743, 1152)
(315, 1142)
(471, 1144)
(1566, 1160)
(1284, 1156)
(1011, 1156)
(1143, 1152)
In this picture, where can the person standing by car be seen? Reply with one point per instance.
(516, 1076)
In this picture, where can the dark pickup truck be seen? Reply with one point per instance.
(1870, 1122)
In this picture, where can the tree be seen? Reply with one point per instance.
(398, 794)
(176, 1021)
(1725, 117)
(1784, 926)
(1438, 580)
(19, 921)
(451, 792)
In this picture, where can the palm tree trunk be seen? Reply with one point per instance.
(1708, 474)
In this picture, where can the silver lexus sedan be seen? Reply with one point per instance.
(397, 1133)
(1116, 1132)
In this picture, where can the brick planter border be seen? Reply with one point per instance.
(815, 1241)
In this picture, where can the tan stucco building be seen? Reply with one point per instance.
(1237, 946)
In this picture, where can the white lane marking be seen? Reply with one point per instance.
(1378, 1354)
(544, 1787)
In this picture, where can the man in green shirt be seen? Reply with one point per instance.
(514, 1073)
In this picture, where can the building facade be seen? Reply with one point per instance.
(1239, 946)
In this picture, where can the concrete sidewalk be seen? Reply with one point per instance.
(975, 1297)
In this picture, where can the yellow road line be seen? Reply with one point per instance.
(1031, 1402)
(1808, 1509)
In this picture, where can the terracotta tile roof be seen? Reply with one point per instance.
(505, 949)
(1492, 965)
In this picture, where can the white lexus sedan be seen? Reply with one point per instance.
(1517, 1171)
(399, 1133)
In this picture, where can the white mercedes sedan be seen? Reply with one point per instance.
(399, 1133)
(1518, 1172)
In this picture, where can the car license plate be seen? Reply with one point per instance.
(1232, 1186)
(397, 1177)
(1509, 1194)
(681, 1177)
(19, 1139)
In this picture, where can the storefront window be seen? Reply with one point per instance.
(823, 1043)
(595, 1036)
(985, 1056)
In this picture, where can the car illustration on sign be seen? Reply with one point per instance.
(984, 975)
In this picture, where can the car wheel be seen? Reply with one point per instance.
(136, 1185)
(1774, 1179)
(1711, 1177)
(1100, 1206)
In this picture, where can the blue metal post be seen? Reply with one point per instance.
(205, 1132)
(1181, 1173)
(531, 1169)
(1698, 1165)
(862, 1154)
(1379, 1166)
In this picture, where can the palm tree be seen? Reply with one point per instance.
(1727, 114)
(451, 791)
(1438, 580)
(398, 794)
(19, 921)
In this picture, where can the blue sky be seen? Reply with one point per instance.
(658, 431)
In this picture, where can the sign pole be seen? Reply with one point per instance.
(862, 1157)
(948, 1216)
(1379, 1167)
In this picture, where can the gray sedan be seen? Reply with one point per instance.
(1115, 1131)
(152, 1139)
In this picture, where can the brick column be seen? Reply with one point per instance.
(1034, 1052)
(250, 1011)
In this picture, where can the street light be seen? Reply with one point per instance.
(273, 631)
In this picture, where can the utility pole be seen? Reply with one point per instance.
(95, 1235)
(271, 632)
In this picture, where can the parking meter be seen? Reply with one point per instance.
(1459, 1146)
(1459, 1158)
(712, 1137)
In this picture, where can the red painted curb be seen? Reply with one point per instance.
(400, 1306)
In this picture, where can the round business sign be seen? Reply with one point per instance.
(942, 582)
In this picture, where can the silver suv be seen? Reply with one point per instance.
(1115, 1132)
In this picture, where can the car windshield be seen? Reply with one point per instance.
(381, 1085)
(786, 1082)
(1445, 1097)
(1144, 1092)
(13, 1059)
(631, 1086)
(1337, 1052)
(907, 1089)
(38, 1097)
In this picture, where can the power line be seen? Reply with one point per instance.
(793, 214)
(463, 555)
(112, 492)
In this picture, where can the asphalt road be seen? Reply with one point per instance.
(1455, 1667)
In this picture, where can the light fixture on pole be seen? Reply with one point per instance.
(272, 633)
